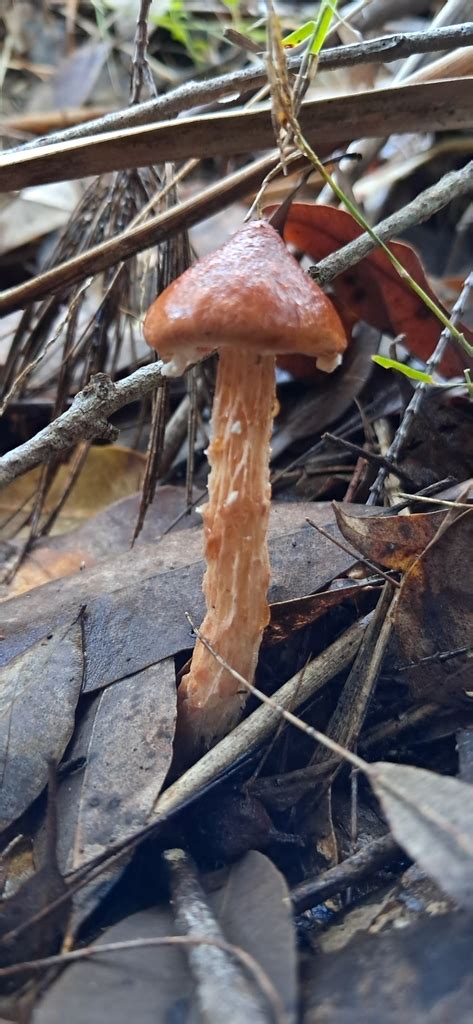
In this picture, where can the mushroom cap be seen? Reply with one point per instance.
(251, 293)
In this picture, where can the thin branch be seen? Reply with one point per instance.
(420, 391)
(425, 205)
(194, 94)
(372, 857)
(368, 456)
(140, 69)
(431, 106)
(251, 965)
(87, 418)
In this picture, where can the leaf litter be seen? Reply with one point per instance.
(94, 634)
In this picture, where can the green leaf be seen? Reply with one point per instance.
(316, 31)
(392, 364)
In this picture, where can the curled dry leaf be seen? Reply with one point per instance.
(288, 616)
(431, 816)
(38, 697)
(434, 620)
(392, 541)
(373, 290)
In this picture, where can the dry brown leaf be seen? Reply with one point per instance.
(392, 541)
(434, 619)
(109, 473)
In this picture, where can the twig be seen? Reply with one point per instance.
(346, 722)
(354, 554)
(245, 958)
(418, 397)
(211, 200)
(455, 183)
(279, 709)
(86, 418)
(140, 68)
(372, 857)
(436, 501)
(194, 94)
(218, 979)
(445, 105)
(362, 453)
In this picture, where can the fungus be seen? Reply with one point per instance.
(249, 300)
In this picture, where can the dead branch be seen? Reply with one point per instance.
(86, 418)
(372, 857)
(194, 94)
(418, 397)
(432, 106)
(452, 185)
(155, 230)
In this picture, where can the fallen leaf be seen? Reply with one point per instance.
(288, 616)
(127, 759)
(373, 289)
(153, 985)
(394, 542)
(431, 817)
(125, 742)
(38, 697)
(28, 215)
(136, 604)
(435, 616)
(420, 973)
(109, 472)
(107, 533)
(46, 885)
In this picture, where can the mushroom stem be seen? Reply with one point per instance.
(236, 549)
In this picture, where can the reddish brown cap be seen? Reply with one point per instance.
(250, 293)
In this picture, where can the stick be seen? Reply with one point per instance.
(420, 391)
(86, 418)
(370, 858)
(194, 94)
(455, 183)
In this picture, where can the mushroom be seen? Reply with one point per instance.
(250, 300)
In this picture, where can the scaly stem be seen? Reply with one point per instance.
(235, 527)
